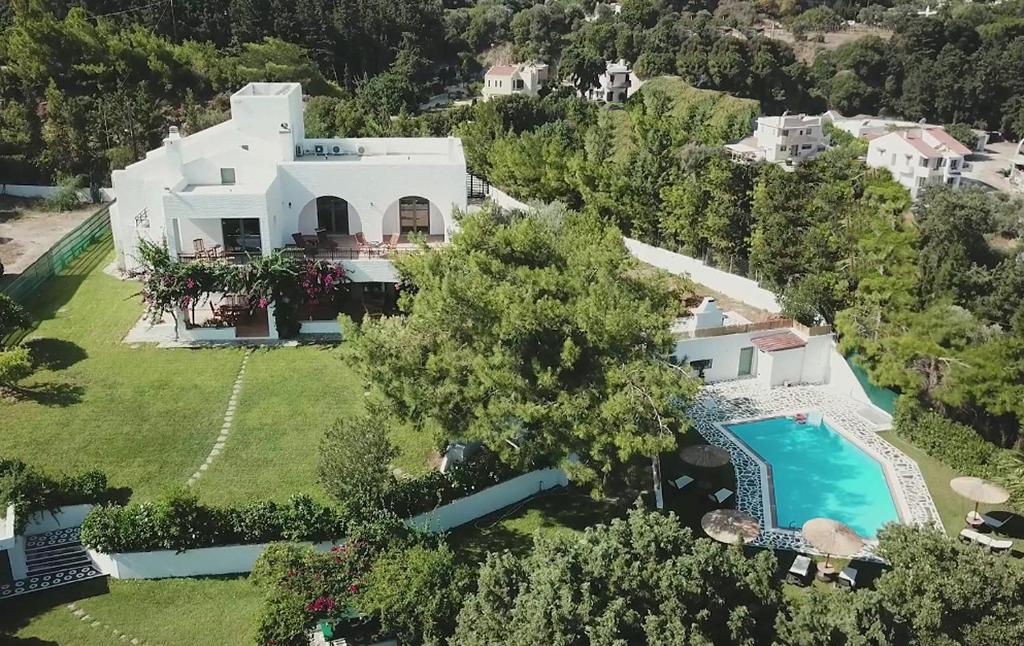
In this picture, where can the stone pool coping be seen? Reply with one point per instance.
(743, 401)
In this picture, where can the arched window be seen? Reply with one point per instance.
(414, 215)
(332, 214)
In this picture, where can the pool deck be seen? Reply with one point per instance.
(746, 400)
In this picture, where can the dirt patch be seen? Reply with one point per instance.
(28, 229)
(808, 48)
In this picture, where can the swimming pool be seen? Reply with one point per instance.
(814, 471)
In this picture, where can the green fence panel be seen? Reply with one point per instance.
(883, 398)
(59, 256)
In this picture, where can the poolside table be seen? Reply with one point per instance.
(974, 519)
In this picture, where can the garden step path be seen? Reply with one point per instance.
(54, 559)
(229, 419)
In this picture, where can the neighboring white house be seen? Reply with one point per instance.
(506, 80)
(866, 126)
(255, 183)
(615, 84)
(1016, 169)
(719, 347)
(787, 139)
(602, 8)
(919, 157)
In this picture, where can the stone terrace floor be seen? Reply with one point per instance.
(748, 399)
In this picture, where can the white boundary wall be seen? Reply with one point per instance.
(742, 289)
(236, 559)
(506, 201)
(488, 500)
(34, 190)
(49, 521)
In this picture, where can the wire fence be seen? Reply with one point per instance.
(59, 256)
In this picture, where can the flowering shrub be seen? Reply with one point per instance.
(285, 281)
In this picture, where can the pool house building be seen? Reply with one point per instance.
(721, 346)
(255, 184)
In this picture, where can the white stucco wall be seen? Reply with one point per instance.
(724, 352)
(742, 289)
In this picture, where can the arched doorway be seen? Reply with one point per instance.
(332, 214)
(414, 215)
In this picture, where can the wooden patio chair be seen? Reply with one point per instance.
(362, 244)
(324, 241)
(392, 241)
(199, 248)
(306, 243)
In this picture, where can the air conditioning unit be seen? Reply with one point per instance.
(336, 150)
(361, 150)
(298, 151)
(318, 148)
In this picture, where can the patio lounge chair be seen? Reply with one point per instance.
(682, 482)
(994, 523)
(720, 496)
(993, 544)
(849, 577)
(392, 242)
(800, 570)
(362, 244)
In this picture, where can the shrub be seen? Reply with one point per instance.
(15, 365)
(955, 444)
(32, 491)
(180, 522)
(66, 198)
(12, 317)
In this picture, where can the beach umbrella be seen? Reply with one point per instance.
(979, 490)
(730, 526)
(705, 455)
(832, 537)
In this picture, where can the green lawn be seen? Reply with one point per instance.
(171, 612)
(952, 508)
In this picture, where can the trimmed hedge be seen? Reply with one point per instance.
(956, 444)
(180, 522)
(31, 491)
(433, 489)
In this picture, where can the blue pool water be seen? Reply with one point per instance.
(816, 472)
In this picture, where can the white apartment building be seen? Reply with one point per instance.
(615, 84)
(785, 139)
(506, 80)
(919, 157)
(255, 184)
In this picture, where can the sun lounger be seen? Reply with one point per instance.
(682, 482)
(994, 523)
(720, 496)
(985, 541)
(800, 570)
(849, 577)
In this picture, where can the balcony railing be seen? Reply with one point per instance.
(773, 324)
(340, 252)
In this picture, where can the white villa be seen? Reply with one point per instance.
(255, 184)
(615, 84)
(785, 139)
(781, 352)
(506, 80)
(919, 157)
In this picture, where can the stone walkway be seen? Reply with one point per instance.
(229, 419)
(82, 615)
(745, 400)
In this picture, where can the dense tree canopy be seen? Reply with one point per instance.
(531, 334)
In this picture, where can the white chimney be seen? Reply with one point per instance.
(708, 315)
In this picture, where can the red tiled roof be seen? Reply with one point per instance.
(778, 341)
(501, 70)
(921, 146)
(948, 141)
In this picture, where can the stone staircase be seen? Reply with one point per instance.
(54, 559)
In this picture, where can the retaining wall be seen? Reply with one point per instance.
(237, 559)
(48, 521)
(489, 500)
(742, 289)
